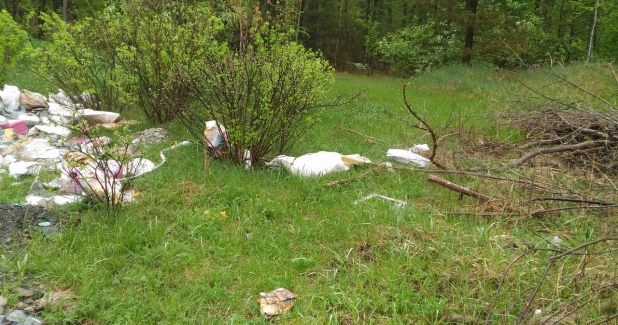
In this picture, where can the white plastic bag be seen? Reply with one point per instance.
(137, 167)
(407, 157)
(213, 135)
(56, 130)
(418, 148)
(313, 164)
(10, 97)
(21, 168)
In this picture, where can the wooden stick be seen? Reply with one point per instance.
(434, 137)
(459, 189)
(573, 147)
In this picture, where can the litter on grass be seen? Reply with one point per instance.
(35, 134)
(407, 157)
(398, 203)
(276, 302)
(318, 164)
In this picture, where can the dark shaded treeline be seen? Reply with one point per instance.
(376, 33)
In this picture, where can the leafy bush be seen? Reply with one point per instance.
(104, 168)
(123, 59)
(156, 55)
(12, 39)
(72, 59)
(263, 95)
(419, 48)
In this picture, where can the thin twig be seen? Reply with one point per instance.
(613, 72)
(536, 185)
(551, 262)
(567, 199)
(564, 148)
(608, 318)
(434, 137)
(493, 302)
(542, 212)
(361, 134)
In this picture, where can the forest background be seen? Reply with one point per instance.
(409, 36)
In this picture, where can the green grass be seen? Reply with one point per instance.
(199, 245)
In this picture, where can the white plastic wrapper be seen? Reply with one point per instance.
(214, 135)
(313, 164)
(21, 168)
(407, 157)
(30, 119)
(10, 97)
(137, 167)
(418, 148)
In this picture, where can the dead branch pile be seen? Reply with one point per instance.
(582, 139)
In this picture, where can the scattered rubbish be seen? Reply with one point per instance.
(44, 224)
(276, 302)
(10, 97)
(53, 185)
(150, 136)
(418, 148)
(52, 299)
(71, 180)
(20, 127)
(54, 130)
(163, 160)
(8, 135)
(29, 100)
(8, 160)
(95, 145)
(317, 164)
(17, 316)
(21, 168)
(99, 117)
(77, 158)
(30, 119)
(117, 125)
(62, 114)
(398, 203)
(408, 157)
(556, 240)
(38, 149)
(247, 158)
(138, 166)
(56, 200)
(214, 134)
(60, 98)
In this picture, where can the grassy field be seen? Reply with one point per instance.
(200, 244)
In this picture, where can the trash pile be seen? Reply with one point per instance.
(312, 164)
(37, 134)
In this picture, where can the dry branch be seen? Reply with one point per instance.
(551, 262)
(459, 189)
(434, 137)
(466, 191)
(563, 148)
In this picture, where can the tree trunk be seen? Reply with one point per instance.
(561, 17)
(299, 21)
(594, 23)
(65, 10)
(471, 7)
